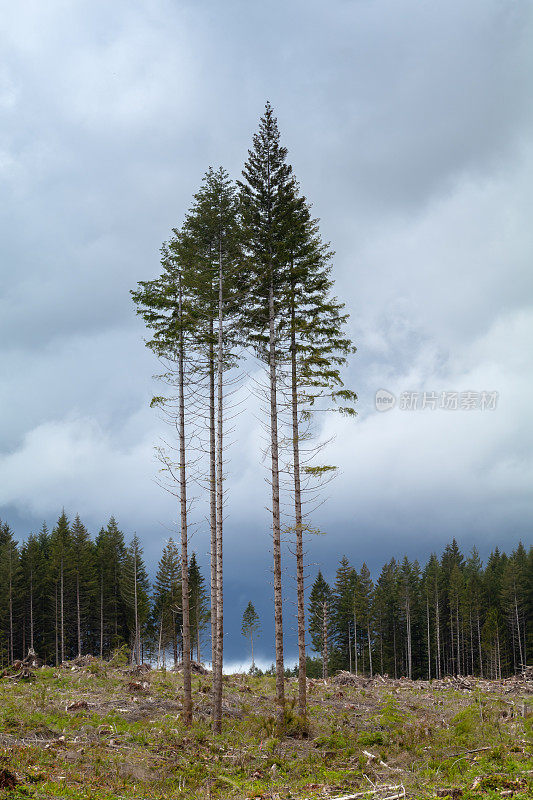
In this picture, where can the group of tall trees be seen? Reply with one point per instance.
(247, 275)
(65, 595)
(453, 616)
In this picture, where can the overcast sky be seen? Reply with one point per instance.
(409, 126)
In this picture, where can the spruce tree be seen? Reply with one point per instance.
(167, 600)
(250, 626)
(266, 196)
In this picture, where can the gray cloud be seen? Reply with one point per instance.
(409, 126)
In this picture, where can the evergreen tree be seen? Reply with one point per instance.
(84, 571)
(319, 617)
(135, 588)
(198, 605)
(167, 600)
(61, 566)
(250, 626)
(110, 554)
(266, 196)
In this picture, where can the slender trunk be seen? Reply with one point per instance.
(302, 683)
(325, 655)
(62, 600)
(11, 605)
(437, 630)
(276, 526)
(394, 649)
(355, 642)
(499, 663)
(429, 638)
(137, 632)
(252, 644)
(213, 507)
(369, 649)
(101, 615)
(57, 627)
(160, 640)
(522, 660)
(381, 642)
(458, 638)
(479, 645)
(31, 609)
(408, 626)
(350, 646)
(78, 614)
(174, 640)
(186, 634)
(217, 677)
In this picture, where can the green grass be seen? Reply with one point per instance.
(128, 745)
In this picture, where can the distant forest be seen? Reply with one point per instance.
(65, 594)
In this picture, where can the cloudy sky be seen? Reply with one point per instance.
(409, 126)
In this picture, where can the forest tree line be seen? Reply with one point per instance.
(64, 594)
(453, 616)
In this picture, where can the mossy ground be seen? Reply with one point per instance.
(130, 742)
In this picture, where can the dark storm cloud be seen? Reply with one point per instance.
(409, 126)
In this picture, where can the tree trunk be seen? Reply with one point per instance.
(429, 638)
(276, 526)
(325, 655)
(137, 632)
(101, 615)
(213, 509)
(31, 609)
(252, 644)
(369, 649)
(57, 627)
(355, 643)
(350, 647)
(62, 598)
(437, 630)
(522, 660)
(78, 614)
(186, 635)
(479, 645)
(11, 604)
(300, 592)
(217, 677)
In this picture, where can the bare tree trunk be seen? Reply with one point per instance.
(252, 645)
(276, 525)
(217, 677)
(325, 655)
(11, 603)
(62, 599)
(369, 649)
(101, 615)
(350, 646)
(394, 649)
(437, 630)
(213, 510)
(458, 638)
(355, 642)
(300, 592)
(186, 634)
(408, 626)
(78, 614)
(31, 609)
(522, 659)
(429, 638)
(137, 632)
(479, 645)
(160, 640)
(57, 627)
